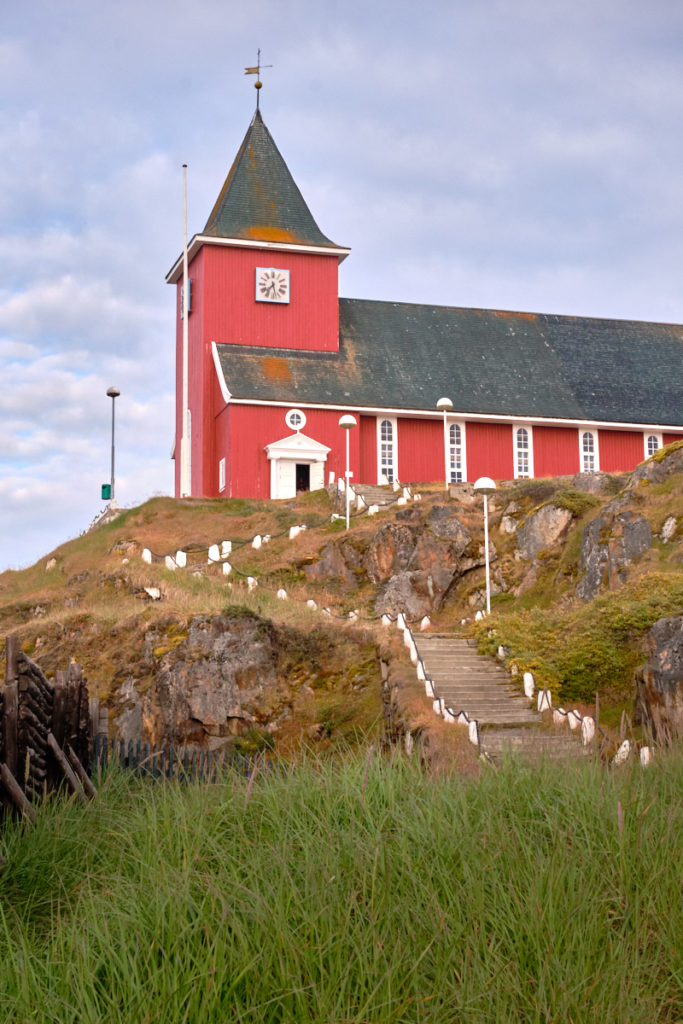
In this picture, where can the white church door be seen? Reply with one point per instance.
(297, 463)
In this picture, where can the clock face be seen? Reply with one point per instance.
(272, 285)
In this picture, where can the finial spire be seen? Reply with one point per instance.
(257, 71)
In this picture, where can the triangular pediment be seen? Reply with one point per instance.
(297, 446)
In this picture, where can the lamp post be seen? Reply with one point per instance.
(113, 394)
(445, 405)
(347, 422)
(486, 484)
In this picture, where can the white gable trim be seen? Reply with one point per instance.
(299, 447)
(221, 376)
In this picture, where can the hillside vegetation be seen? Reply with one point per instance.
(88, 600)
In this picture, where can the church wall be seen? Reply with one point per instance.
(367, 471)
(420, 450)
(252, 427)
(233, 316)
(489, 451)
(556, 450)
(620, 450)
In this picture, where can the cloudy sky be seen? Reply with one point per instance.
(522, 155)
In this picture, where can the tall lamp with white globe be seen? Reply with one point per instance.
(486, 484)
(347, 422)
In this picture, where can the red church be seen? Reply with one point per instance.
(269, 357)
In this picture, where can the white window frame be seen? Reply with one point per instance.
(646, 442)
(452, 449)
(394, 449)
(595, 453)
(518, 452)
(295, 419)
(221, 475)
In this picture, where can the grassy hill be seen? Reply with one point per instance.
(88, 600)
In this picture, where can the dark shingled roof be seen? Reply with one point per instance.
(260, 199)
(404, 356)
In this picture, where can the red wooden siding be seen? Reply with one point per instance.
(670, 438)
(420, 450)
(233, 316)
(489, 451)
(556, 451)
(620, 450)
(367, 472)
(252, 427)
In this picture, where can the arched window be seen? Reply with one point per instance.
(522, 452)
(455, 455)
(588, 452)
(653, 444)
(386, 451)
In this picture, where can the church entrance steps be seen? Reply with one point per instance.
(478, 685)
(373, 494)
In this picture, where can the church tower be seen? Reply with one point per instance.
(261, 274)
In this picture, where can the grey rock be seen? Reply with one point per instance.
(659, 701)
(542, 529)
(389, 552)
(446, 526)
(609, 545)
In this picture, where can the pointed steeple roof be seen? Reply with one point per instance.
(260, 200)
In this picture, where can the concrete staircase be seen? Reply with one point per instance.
(373, 494)
(478, 685)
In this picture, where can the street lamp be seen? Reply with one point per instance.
(445, 405)
(347, 422)
(486, 484)
(113, 394)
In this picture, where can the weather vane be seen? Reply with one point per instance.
(257, 71)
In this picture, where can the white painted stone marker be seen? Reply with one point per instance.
(622, 754)
(587, 730)
(214, 554)
(529, 685)
(146, 556)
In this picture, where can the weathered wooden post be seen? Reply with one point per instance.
(11, 709)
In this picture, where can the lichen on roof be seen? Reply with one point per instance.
(260, 200)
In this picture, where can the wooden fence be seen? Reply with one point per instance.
(45, 734)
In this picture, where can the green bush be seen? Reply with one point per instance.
(589, 647)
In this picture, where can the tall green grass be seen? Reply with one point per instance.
(360, 890)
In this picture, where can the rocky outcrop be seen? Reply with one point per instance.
(610, 543)
(659, 699)
(413, 561)
(206, 687)
(542, 529)
(662, 465)
(224, 674)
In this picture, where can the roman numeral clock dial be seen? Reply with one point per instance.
(272, 285)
